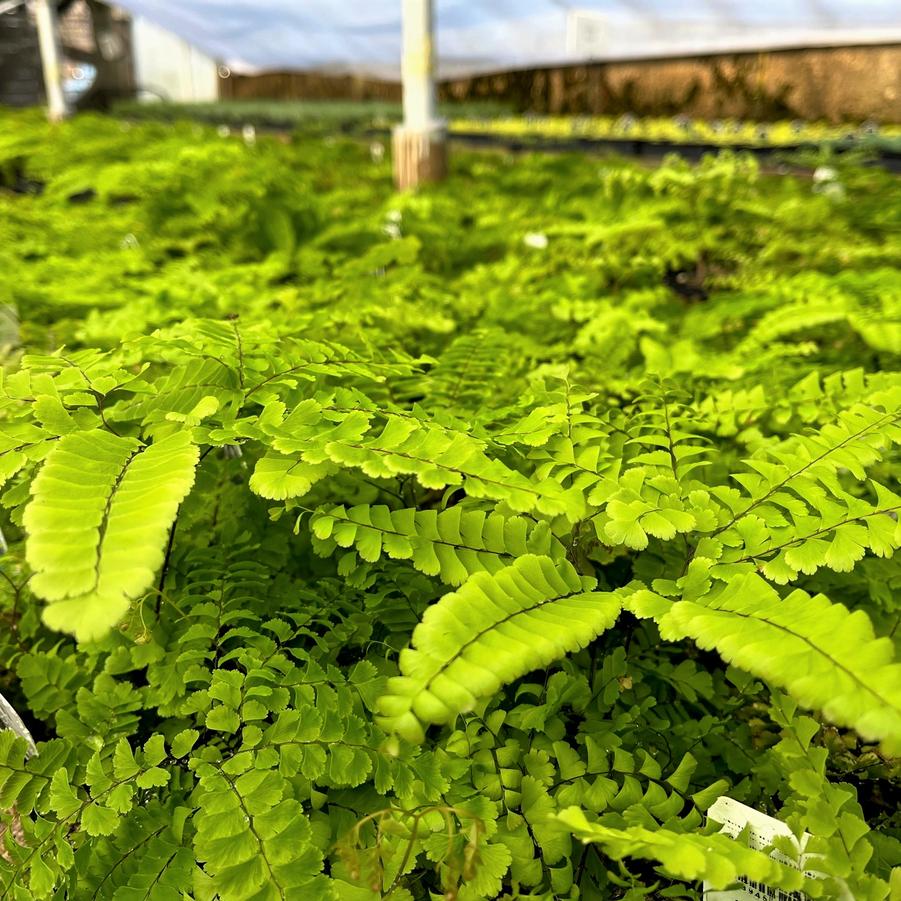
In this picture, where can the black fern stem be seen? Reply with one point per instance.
(102, 413)
(165, 567)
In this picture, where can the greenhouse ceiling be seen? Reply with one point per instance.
(363, 36)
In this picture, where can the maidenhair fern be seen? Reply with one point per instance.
(716, 859)
(347, 561)
(826, 656)
(489, 632)
(451, 544)
(101, 508)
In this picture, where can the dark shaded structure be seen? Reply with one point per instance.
(94, 34)
(21, 81)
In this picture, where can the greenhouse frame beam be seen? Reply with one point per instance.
(10, 5)
(420, 143)
(47, 22)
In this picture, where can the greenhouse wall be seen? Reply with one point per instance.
(811, 83)
(855, 83)
(288, 85)
(169, 67)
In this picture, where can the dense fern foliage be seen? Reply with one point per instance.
(463, 545)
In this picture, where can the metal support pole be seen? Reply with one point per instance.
(420, 144)
(48, 38)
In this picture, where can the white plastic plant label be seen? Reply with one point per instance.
(762, 829)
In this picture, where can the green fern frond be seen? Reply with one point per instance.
(512, 438)
(792, 476)
(473, 367)
(825, 655)
(492, 630)
(716, 859)
(277, 477)
(836, 533)
(149, 856)
(800, 511)
(614, 782)
(452, 544)
(439, 460)
(436, 455)
(180, 390)
(651, 489)
(324, 747)
(25, 781)
(253, 837)
(581, 447)
(97, 523)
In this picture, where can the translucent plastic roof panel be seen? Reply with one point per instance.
(363, 36)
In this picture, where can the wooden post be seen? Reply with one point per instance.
(420, 144)
(48, 40)
(557, 92)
